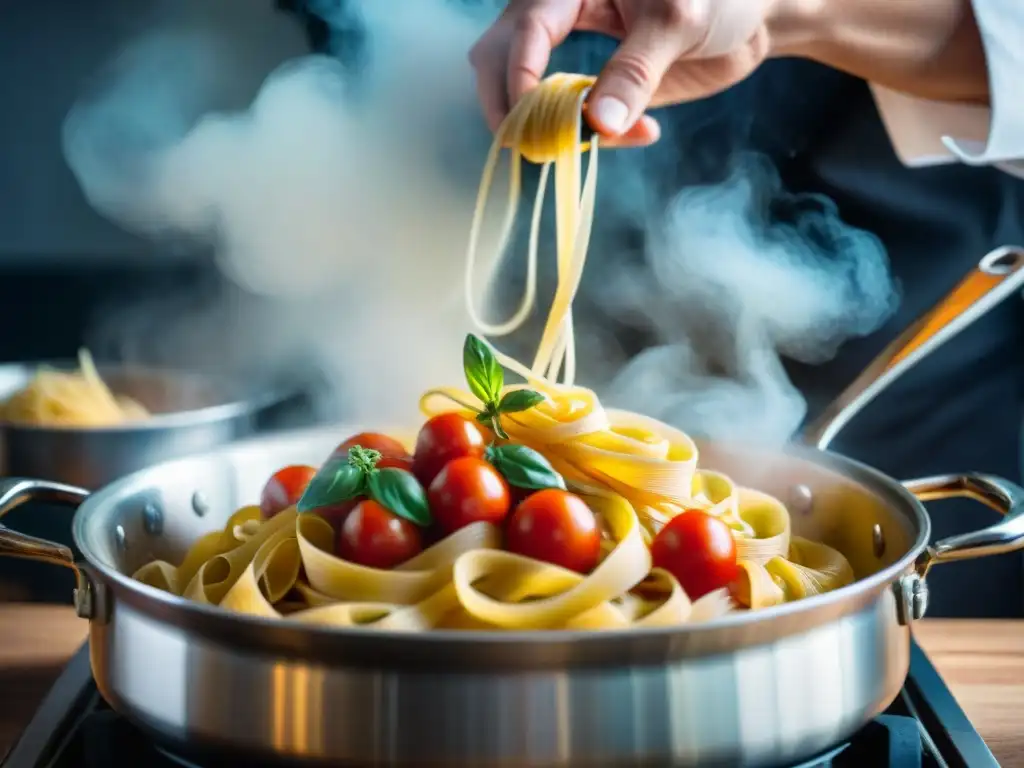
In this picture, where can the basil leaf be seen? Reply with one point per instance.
(519, 400)
(483, 374)
(335, 482)
(524, 468)
(400, 492)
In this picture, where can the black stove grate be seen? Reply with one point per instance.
(924, 727)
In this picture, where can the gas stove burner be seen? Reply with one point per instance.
(75, 728)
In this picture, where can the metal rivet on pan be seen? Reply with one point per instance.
(152, 519)
(877, 540)
(199, 503)
(801, 499)
(119, 538)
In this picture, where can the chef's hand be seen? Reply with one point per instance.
(671, 51)
(680, 50)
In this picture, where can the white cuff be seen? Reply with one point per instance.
(930, 132)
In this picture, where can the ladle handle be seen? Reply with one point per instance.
(997, 276)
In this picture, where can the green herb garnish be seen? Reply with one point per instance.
(486, 379)
(524, 467)
(344, 478)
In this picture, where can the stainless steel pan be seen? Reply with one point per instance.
(761, 688)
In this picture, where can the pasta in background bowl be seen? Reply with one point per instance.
(77, 398)
(89, 429)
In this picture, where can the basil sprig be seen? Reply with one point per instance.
(486, 379)
(524, 467)
(344, 478)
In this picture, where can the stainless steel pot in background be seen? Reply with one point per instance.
(752, 688)
(193, 413)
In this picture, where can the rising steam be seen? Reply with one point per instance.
(339, 202)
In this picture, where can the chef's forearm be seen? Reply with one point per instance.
(927, 48)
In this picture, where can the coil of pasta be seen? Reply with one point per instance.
(524, 506)
(81, 398)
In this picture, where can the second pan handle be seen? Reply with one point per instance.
(999, 275)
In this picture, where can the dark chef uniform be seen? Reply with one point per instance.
(959, 410)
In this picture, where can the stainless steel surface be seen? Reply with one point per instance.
(999, 275)
(754, 688)
(15, 492)
(995, 493)
(192, 414)
(877, 541)
(777, 702)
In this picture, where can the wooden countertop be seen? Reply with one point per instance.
(981, 661)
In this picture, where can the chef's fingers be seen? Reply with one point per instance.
(537, 30)
(493, 100)
(489, 58)
(661, 34)
(644, 132)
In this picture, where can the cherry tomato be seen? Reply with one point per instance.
(377, 538)
(468, 490)
(335, 514)
(388, 447)
(519, 495)
(395, 462)
(699, 550)
(557, 527)
(445, 437)
(284, 489)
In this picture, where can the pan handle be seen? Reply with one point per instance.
(998, 275)
(1001, 495)
(15, 491)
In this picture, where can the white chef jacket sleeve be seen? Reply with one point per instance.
(927, 132)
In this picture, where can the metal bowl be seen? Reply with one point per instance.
(192, 413)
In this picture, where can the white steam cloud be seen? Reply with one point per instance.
(725, 289)
(338, 204)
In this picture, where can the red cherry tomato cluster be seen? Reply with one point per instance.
(462, 488)
(550, 525)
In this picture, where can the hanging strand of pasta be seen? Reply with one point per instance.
(543, 128)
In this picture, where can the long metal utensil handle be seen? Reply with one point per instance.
(999, 275)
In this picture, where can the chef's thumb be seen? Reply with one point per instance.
(627, 84)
